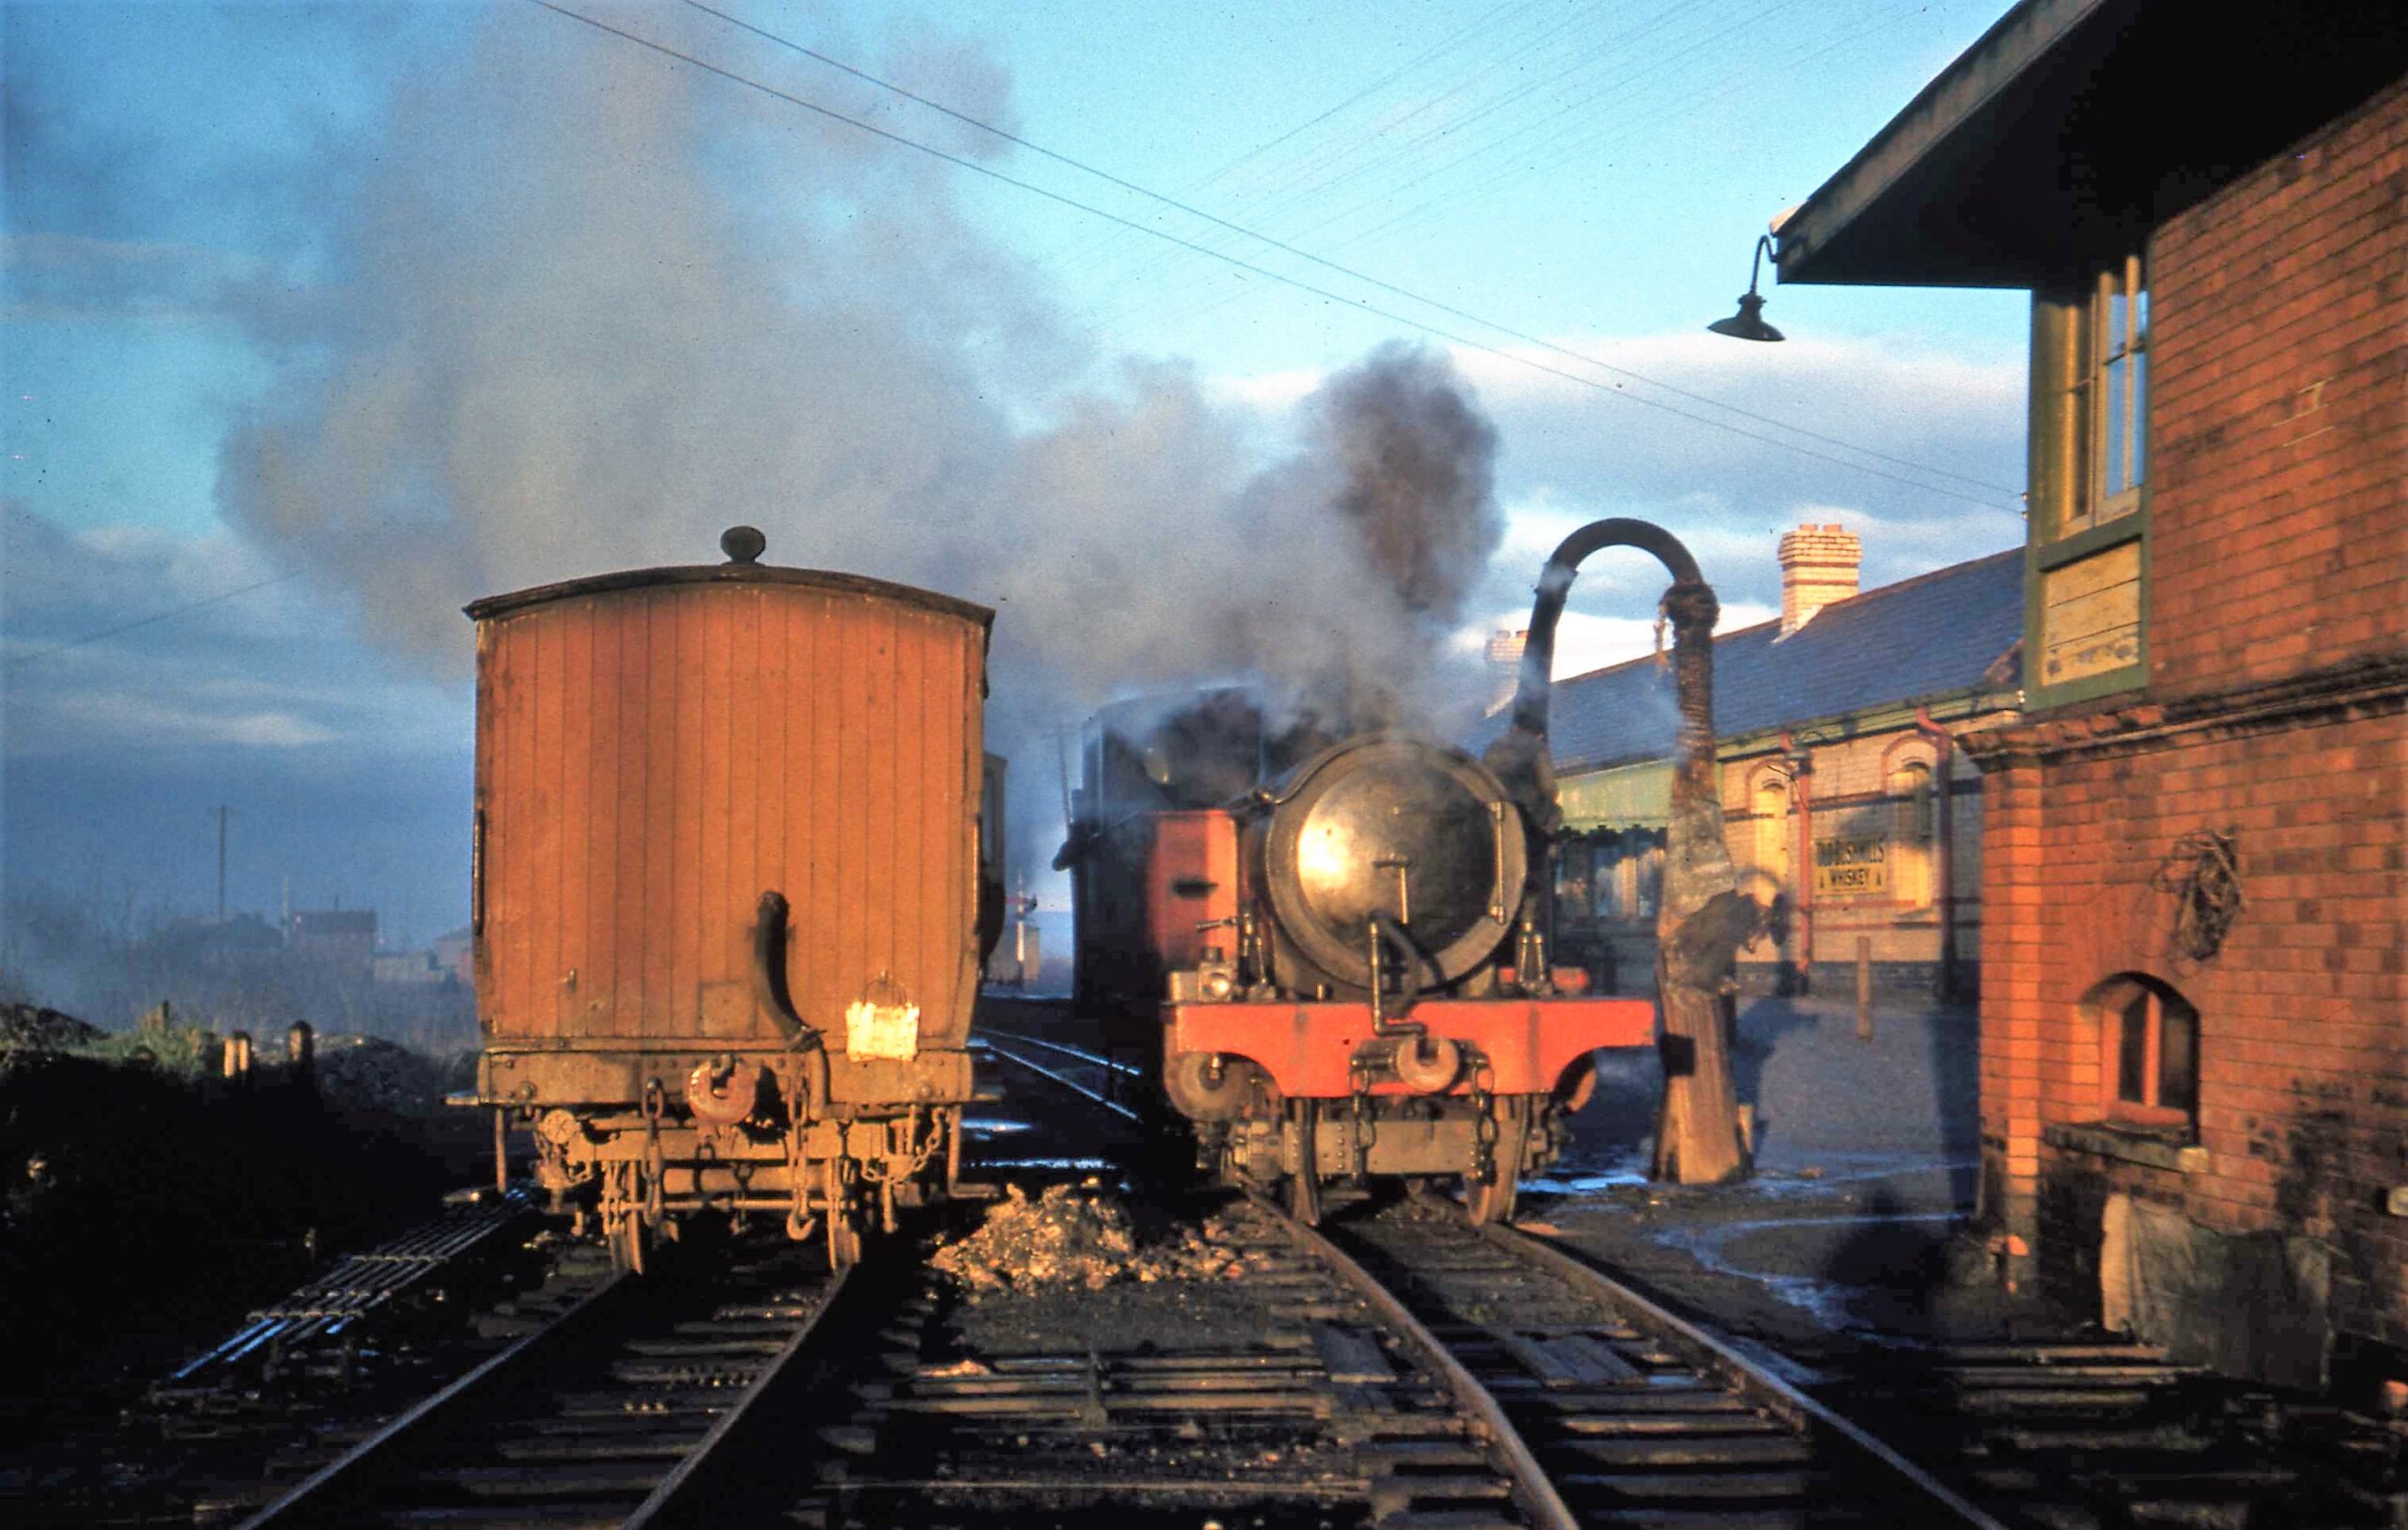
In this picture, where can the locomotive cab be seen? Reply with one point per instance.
(1357, 983)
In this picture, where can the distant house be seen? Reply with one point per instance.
(1842, 790)
(344, 938)
(456, 954)
(406, 969)
(2191, 1039)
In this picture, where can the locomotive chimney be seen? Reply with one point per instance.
(1505, 664)
(1818, 567)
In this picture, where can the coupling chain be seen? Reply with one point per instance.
(656, 1166)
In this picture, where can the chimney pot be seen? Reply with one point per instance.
(1505, 654)
(1819, 566)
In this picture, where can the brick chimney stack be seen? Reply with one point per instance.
(1818, 566)
(1505, 658)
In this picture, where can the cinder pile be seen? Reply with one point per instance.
(37, 1029)
(379, 1075)
(1079, 1236)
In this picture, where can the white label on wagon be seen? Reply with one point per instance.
(881, 1030)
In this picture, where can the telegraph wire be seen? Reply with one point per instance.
(1581, 139)
(1464, 154)
(1277, 178)
(154, 617)
(1373, 88)
(1318, 261)
(1410, 153)
(1308, 189)
(1514, 133)
(1360, 305)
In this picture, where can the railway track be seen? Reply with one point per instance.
(1398, 1369)
(317, 1329)
(2075, 1434)
(610, 1411)
(1633, 1415)
(371, 1334)
(1393, 1392)
(1281, 1397)
(1099, 1080)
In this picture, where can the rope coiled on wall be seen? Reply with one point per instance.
(2203, 872)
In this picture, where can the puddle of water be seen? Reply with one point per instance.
(993, 1127)
(1075, 1165)
(1556, 1182)
(1826, 1300)
(1610, 1172)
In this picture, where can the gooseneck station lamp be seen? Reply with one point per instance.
(1748, 323)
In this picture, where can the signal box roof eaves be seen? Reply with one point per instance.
(2056, 142)
(729, 573)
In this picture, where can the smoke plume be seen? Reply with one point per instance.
(1420, 463)
(588, 307)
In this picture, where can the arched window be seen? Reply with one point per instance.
(2148, 1052)
(1771, 806)
(1915, 820)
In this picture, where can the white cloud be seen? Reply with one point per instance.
(148, 722)
(136, 642)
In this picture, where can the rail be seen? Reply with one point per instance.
(986, 1044)
(540, 1428)
(1795, 1406)
(356, 1288)
(1538, 1493)
(1601, 1402)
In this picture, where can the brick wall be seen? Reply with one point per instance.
(2277, 711)
(2303, 1047)
(2279, 415)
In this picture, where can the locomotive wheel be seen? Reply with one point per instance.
(1493, 1202)
(1304, 1186)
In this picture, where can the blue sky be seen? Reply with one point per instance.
(395, 306)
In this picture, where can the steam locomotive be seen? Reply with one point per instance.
(736, 863)
(1346, 962)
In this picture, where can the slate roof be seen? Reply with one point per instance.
(1938, 633)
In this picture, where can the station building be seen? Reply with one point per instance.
(2194, 1052)
(1845, 791)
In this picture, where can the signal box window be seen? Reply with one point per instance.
(2148, 1054)
(2084, 636)
(2107, 402)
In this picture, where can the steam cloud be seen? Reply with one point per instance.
(583, 317)
(1421, 465)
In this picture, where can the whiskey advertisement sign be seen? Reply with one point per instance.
(1857, 864)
